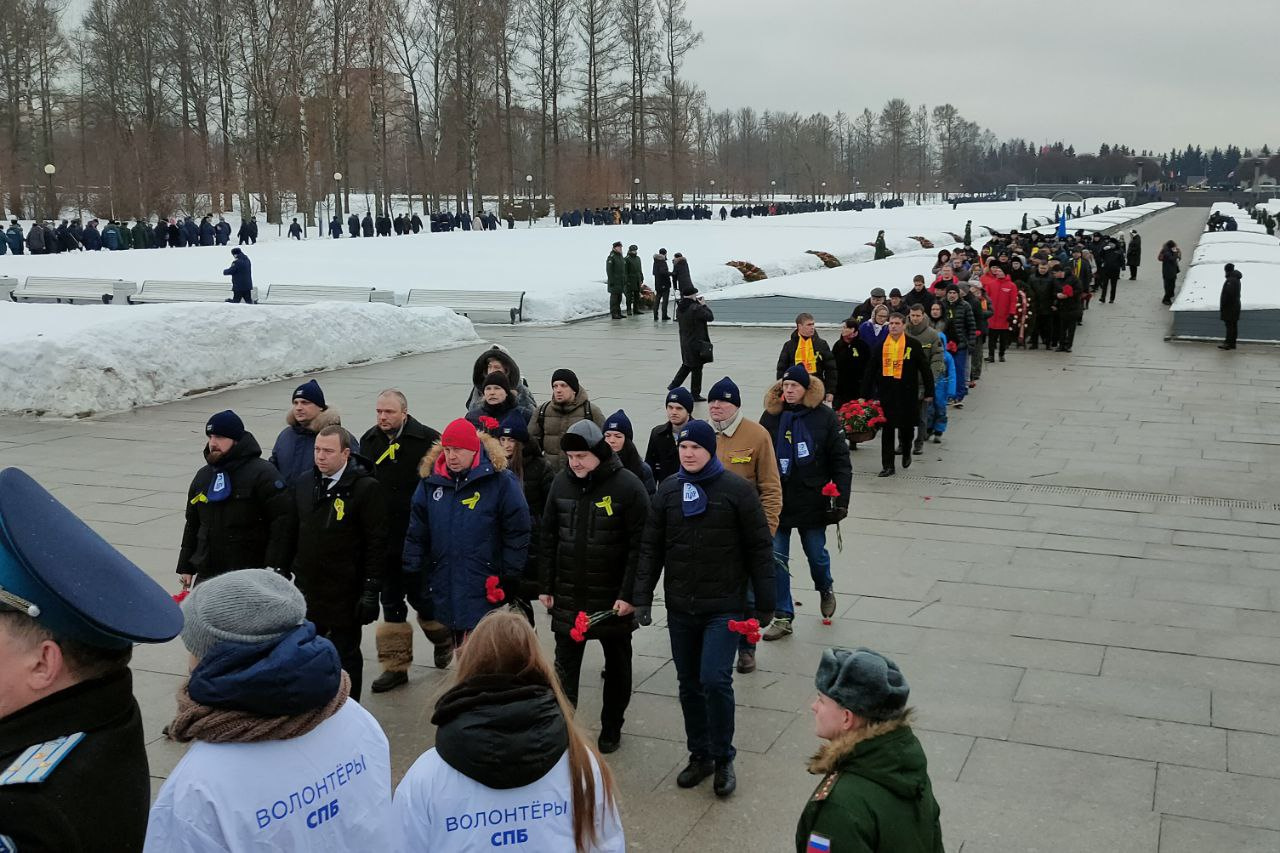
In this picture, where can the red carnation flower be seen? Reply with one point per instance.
(492, 591)
(1068, 290)
(831, 490)
(488, 422)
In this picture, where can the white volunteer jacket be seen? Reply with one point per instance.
(329, 790)
(442, 810)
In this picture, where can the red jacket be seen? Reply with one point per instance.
(1003, 294)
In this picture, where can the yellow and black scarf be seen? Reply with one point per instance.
(892, 355)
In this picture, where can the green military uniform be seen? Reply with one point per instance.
(875, 795)
(615, 269)
(635, 277)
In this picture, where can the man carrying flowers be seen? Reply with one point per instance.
(590, 543)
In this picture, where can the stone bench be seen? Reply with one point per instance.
(504, 306)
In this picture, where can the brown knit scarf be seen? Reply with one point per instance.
(217, 725)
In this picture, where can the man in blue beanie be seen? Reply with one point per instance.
(294, 450)
(660, 454)
(875, 792)
(708, 530)
(239, 512)
(745, 448)
(812, 452)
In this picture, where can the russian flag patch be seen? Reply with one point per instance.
(818, 844)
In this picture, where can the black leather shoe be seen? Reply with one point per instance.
(726, 780)
(887, 472)
(695, 772)
(610, 739)
(906, 460)
(389, 681)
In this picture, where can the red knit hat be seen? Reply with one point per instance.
(462, 435)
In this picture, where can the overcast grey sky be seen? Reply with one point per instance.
(1146, 73)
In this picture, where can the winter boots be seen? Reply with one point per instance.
(442, 638)
(395, 651)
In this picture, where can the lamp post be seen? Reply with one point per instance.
(773, 190)
(824, 190)
(528, 191)
(635, 188)
(49, 169)
(713, 190)
(337, 194)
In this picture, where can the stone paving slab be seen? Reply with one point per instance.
(1092, 669)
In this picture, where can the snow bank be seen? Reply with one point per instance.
(560, 269)
(72, 360)
(853, 283)
(1236, 253)
(1217, 238)
(1202, 287)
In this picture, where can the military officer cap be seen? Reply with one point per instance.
(55, 569)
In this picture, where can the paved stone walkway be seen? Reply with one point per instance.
(1081, 583)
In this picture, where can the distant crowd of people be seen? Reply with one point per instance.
(70, 236)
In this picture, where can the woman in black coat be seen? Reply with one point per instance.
(692, 316)
(1229, 306)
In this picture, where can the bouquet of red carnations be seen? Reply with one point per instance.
(749, 628)
(583, 622)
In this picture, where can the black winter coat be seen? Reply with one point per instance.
(901, 397)
(397, 472)
(826, 362)
(1169, 263)
(852, 358)
(662, 455)
(536, 483)
(251, 529)
(1133, 255)
(961, 326)
(661, 274)
(590, 544)
(341, 547)
(96, 799)
(692, 316)
(680, 273)
(709, 558)
(1040, 291)
(1229, 301)
(803, 504)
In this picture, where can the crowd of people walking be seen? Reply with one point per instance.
(517, 514)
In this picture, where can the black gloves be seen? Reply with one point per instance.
(764, 619)
(837, 515)
(644, 615)
(367, 609)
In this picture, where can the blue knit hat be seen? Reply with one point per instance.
(310, 391)
(514, 425)
(727, 391)
(226, 424)
(701, 433)
(619, 422)
(681, 396)
(797, 373)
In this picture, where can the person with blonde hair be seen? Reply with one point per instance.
(510, 767)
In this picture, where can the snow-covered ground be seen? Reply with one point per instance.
(1256, 256)
(72, 360)
(561, 269)
(853, 283)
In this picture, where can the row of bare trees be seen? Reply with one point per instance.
(144, 107)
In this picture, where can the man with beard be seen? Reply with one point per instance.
(239, 515)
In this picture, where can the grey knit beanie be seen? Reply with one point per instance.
(248, 606)
(866, 682)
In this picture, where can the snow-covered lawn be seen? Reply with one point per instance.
(853, 283)
(561, 269)
(1256, 256)
(72, 360)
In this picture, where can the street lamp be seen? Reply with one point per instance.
(773, 190)
(824, 190)
(49, 169)
(528, 185)
(635, 188)
(713, 189)
(337, 194)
